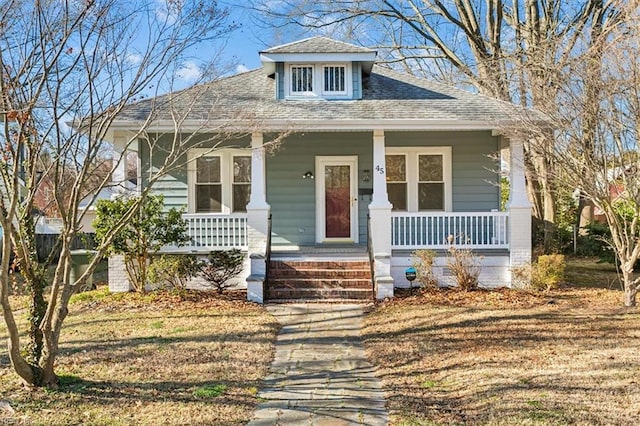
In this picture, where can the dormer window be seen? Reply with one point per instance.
(301, 79)
(334, 80)
(318, 68)
(328, 81)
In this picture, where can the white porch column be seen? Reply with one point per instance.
(519, 208)
(119, 172)
(380, 214)
(118, 279)
(257, 221)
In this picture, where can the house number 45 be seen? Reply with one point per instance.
(380, 169)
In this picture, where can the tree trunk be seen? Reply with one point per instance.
(630, 293)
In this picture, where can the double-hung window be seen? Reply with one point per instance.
(431, 182)
(208, 185)
(219, 181)
(397, 180)
(419, 178)
(241, 182)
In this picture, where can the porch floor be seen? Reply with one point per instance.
(320, 251)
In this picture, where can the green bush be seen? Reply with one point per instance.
(172, 270)
(221, 266)
(149, 227)
(548, 272)
(595, 242)
(465, 267)
(544, 275)
(423, 262)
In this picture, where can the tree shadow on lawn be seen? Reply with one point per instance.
(551, 364)
(71, 347)
(110, 394)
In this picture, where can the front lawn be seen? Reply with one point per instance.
(508, 357)
(147, 360)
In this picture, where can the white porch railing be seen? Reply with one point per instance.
(440, 230)
(215, 231)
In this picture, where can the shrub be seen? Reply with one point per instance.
(544, 275)
(548, 272)
(148, 228)
(172, 270)
(423, 262)
(596, 242)
(465, 267)
(221, 266)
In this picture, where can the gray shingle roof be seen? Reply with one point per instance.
(387, 95)
(318, 45)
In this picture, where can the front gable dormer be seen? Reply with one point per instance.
(318, 68)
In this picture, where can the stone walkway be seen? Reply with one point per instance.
(320, 374)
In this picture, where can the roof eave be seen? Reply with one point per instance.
(314, 125)
(269, 59)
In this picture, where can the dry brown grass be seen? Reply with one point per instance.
(508, 357)
(148, 360)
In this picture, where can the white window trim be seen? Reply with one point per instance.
(226, 175)
(318, 82)
(412, 154)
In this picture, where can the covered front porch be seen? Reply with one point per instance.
(387, 192)
(386, 233)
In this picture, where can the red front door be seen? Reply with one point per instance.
(337, 201)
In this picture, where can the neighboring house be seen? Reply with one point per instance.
(614, 182)
(374, 162)
(88, 205)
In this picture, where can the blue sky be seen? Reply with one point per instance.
(244, 43)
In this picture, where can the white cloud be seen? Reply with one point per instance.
(167, 11)
(133, 58)
(241, 68)
(189, 72)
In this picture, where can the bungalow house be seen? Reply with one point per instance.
(373, 165)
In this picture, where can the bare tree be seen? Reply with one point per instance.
(604, 164)
(79, 62)
(513, 50)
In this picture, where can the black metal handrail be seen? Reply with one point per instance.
(267, 257)
(371, 255)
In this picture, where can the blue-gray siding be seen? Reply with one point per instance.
(173, 185)
(292, 198)
(356, 72)
(475, 182)
(279, 80)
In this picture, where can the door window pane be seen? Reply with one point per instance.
(337, 201)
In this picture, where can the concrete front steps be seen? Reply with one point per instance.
(320, 280)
